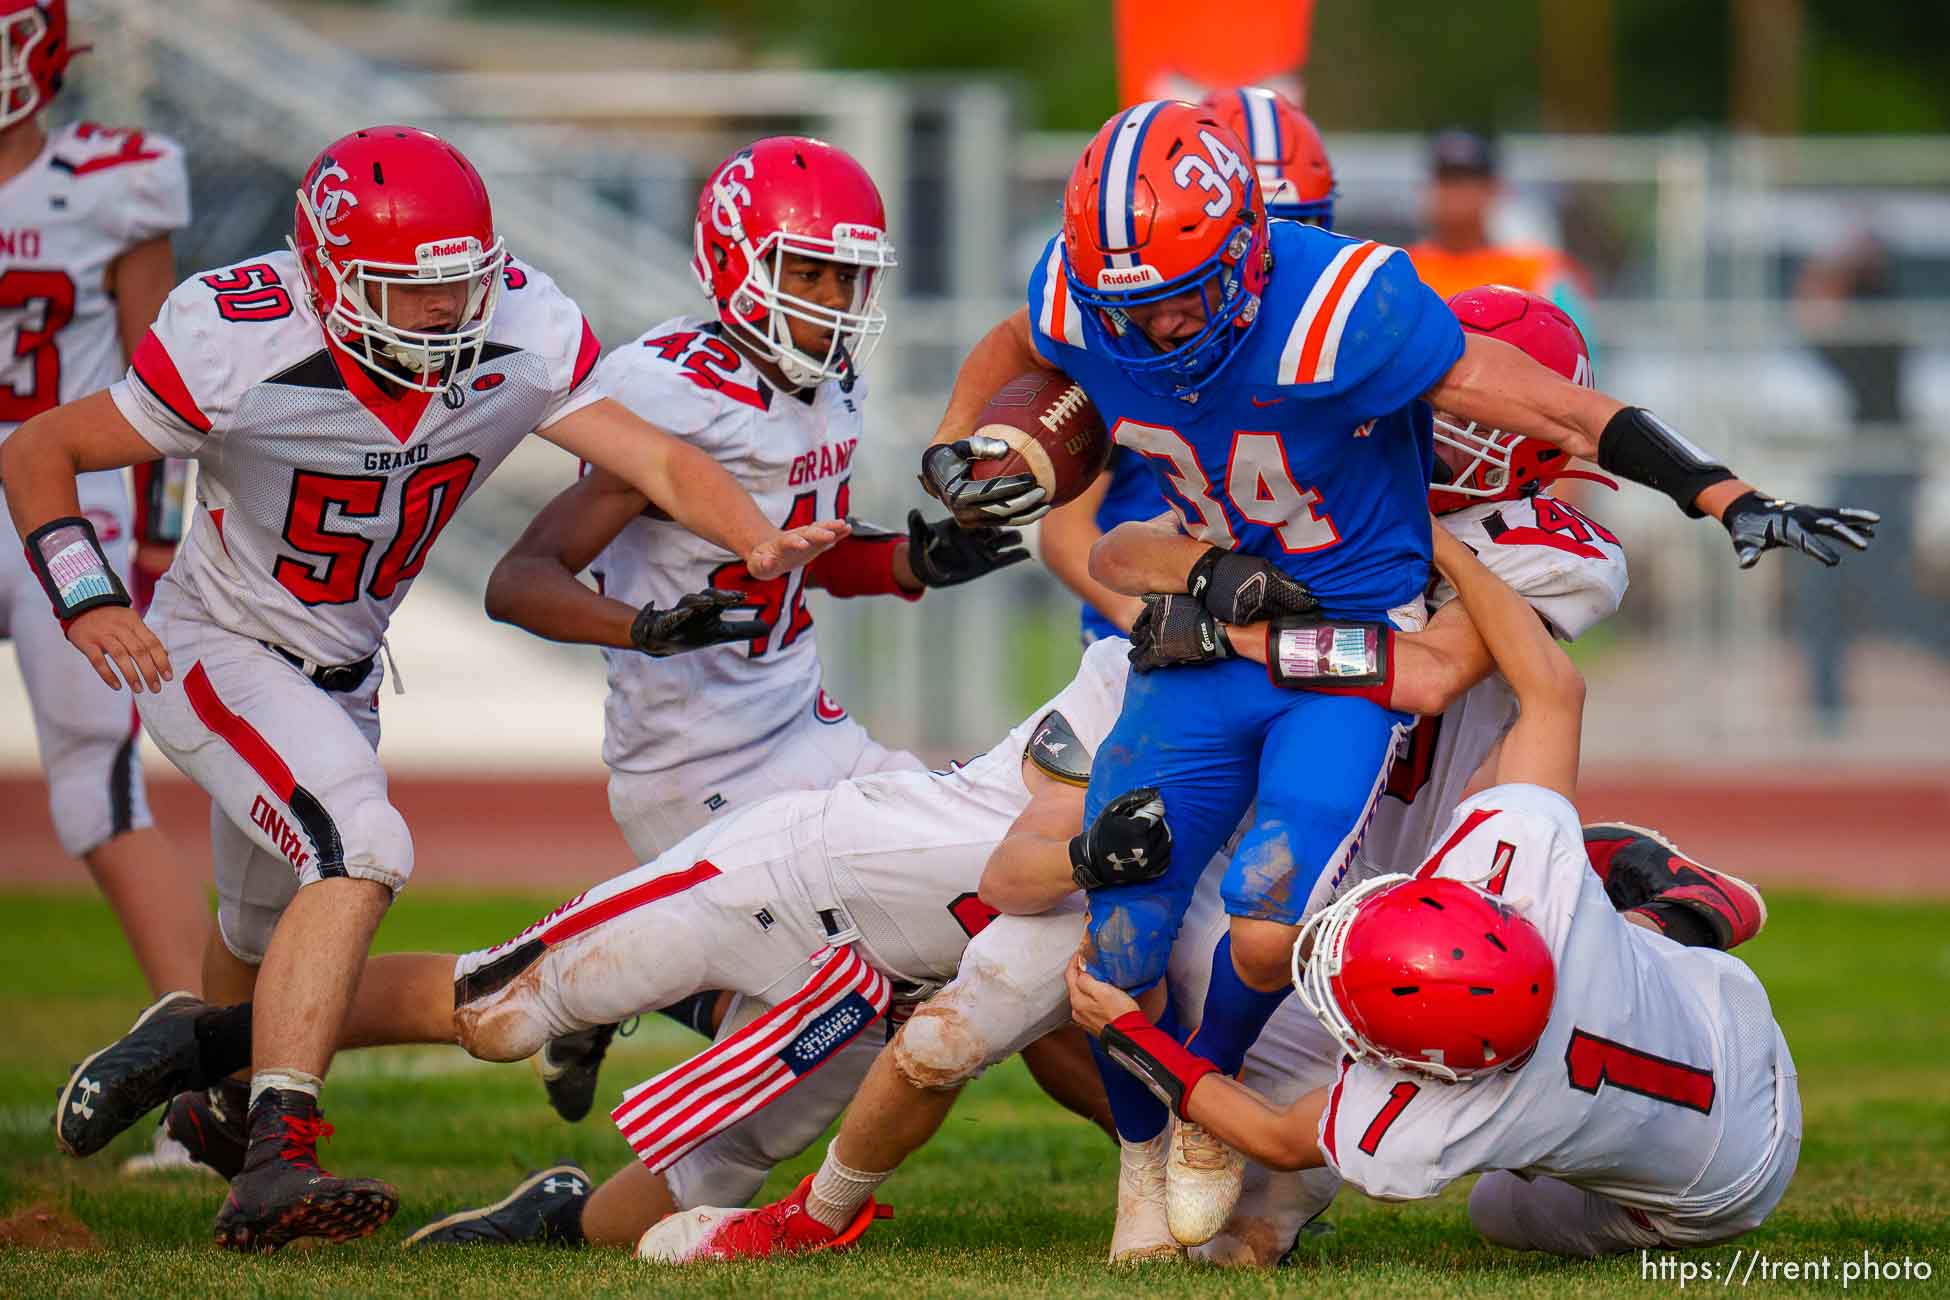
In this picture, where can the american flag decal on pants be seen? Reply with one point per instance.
(665, 1117)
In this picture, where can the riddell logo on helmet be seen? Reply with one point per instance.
(1126, 277)
(846, 232)
(448, 248)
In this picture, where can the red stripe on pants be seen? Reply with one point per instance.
(237, 733)
(675, 882)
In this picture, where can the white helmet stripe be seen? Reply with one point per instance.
(1262, 125)
(1118, 229)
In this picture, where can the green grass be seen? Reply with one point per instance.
(1012, 1198)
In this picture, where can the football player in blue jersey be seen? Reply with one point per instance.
(1278, 379)
(1297, 180)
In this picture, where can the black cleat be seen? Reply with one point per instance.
(210, 1125)
(116, 1086)
(545, 1210)
(568, 1068)
(282, 1194)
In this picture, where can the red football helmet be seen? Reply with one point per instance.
(398, 206)
(34, 51)
(1164, 202)
(1493, 465)
(793, 196)
(1294, 171)
(1433, 976)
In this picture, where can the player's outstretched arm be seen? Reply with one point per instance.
(535, 587)
(38, 464)
(1499, 386)
(689, 486)
(1029, 871)
(1280, 1138)
(1432, 669)
(1145, 557)
(1542, 747)
(1003, 353)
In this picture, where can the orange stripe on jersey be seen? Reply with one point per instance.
(586, 357)
(1324, 316)
(158, 373)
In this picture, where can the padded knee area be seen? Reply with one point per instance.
(938, 1049)
(378, 845)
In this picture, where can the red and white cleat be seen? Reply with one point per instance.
(781, 1228)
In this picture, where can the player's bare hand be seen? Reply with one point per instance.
(1005, 499)
(1758, 524)
(115, 638)
(1093, 1003)
(794, 547)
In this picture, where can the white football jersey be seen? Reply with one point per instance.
(794, 455)
(1572, 571)
(1654, 1084)
(93, 194)
(906, 849)
(321, 496)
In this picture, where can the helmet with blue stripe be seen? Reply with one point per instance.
(1163, 213)
(1294, 170)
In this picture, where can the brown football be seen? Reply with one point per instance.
(1052, 429)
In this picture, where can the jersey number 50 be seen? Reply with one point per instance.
(427, 501)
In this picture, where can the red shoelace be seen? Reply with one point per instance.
(301, 1138)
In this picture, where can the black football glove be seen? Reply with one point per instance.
(1173, 631)
(1128, 843)
(1007, 499)
(1245, 589)
(1757, 523)
(944, 553)
(695, 621)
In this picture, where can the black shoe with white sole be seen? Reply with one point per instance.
(568, 1067)
(116, 1086)
(546, 1209)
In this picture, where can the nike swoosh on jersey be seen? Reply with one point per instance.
(1269, 401)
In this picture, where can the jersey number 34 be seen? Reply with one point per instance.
(1259, 483)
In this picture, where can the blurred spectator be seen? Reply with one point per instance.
(1880, 470)
(1464, 188)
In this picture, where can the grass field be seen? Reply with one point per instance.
(1013, 1197)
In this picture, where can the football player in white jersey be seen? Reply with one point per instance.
(792, 250)
(86, 214)
(1616, 1089)
(820, 908)
(341, 400)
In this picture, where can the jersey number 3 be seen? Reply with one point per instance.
(52, 292)
(428, 498)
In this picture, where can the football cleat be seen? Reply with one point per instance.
(1203, 1179)
(1641, 866)
(545, 1209)
(116, 1086)
(165, 1156)
(210, 1124)
(781, 1228)
(282, 1193)
(1141, 1232)
(568, 1066)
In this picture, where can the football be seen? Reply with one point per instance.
(1053, 432)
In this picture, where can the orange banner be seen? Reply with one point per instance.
(1180, 50)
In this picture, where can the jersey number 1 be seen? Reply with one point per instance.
(428, 499)
(1592, 1063)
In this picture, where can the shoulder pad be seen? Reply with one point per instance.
(1054, 748)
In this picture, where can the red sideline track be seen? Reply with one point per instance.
(1865, 832)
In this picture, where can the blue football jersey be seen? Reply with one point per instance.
(1132, 493)
(1312, 448)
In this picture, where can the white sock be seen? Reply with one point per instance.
(838, 1192)
(1149, 1154)
(288, 1080)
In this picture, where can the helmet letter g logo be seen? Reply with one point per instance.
(330, 204)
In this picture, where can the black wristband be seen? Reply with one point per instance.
(1638, 445)
(74, 571)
